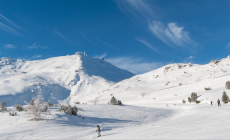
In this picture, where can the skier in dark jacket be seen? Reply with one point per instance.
(98, 130)
(218, 101)
(211, 102)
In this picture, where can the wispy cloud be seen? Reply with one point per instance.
(148, 45)
(35, 56)
(65, 37)
(36, 46)
(172, 34)
(9, 46)
(107, 44)
(133, 64)
(8, 26)
(86, 38)
(137, 8)
(101, 56)
(9, 21)
(9, 29)
(228, 45)
(189, 59)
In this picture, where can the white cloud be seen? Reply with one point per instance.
(148, 45)
(101, 56)
(36, 46)
(172, 34)
(134, 65)
(9, 46)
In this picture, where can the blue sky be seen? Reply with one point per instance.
(138, 36)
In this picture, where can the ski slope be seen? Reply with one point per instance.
(183, 121)
(153, 108)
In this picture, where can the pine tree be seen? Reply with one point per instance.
(19, 108)
(183, 101)
(74, 110)
(225, 98)
(119, 102)
(193, 97)
(113, 101)
(189, 100)
(69, 110)
(227, 85)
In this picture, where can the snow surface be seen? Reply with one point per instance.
(62, 79)
(153, 107)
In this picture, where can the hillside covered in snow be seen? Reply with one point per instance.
(152, 102)
(60, 79)
(171, 84)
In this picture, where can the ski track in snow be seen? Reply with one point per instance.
(64, 126)
(124, 122)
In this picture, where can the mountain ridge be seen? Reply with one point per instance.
(61, 78)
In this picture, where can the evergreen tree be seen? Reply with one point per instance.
(19, 108)
(193, 97)
(113, 101)
(227, 85)
(183, 101)
(225, 98)
(189, 100)
(119, 102)
(69, 110)
(74, 110)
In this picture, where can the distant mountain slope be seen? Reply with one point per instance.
(62, 79)
(170, 84)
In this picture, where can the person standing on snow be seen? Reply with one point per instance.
(211, 102)
(98, 130)
(218, 101)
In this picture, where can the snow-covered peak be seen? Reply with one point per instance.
(64, 77)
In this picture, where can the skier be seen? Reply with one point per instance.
(211, 102)
(98, 130)
(218, 101)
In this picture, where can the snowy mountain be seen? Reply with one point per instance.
(171, 84)
(152, 109)
(60, 79)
